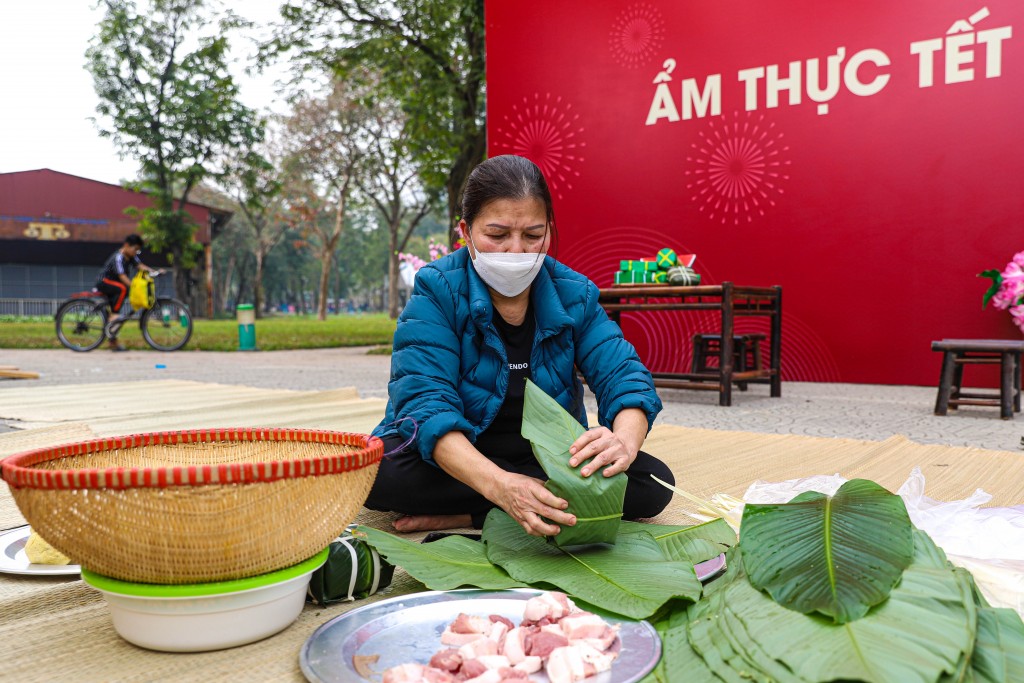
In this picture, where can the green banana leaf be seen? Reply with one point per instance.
(972, 602)
(919, 634)
(676, 653)
(631, 578)
(838, 556)
(595, 500)
(691, 543)
(448, 563)
(999, 649)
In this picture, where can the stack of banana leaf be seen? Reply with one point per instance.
(822, 588)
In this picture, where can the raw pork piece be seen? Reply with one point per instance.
(576, 662)
(589, 628)
(529, 665)
(504, 620)
(416, 673)
(540, 642)
(478, 648)
(465, 629)
(514, 646)
(552, 605)
(554, 635)
(447, 660)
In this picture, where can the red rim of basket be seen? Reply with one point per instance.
(19, 472)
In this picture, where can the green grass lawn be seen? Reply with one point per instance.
(275, 333)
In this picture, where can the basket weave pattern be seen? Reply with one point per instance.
(192, 507)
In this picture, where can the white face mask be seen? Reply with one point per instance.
(507, 273)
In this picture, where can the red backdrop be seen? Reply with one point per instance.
(873, 203)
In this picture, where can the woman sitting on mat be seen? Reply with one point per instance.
(481, 321)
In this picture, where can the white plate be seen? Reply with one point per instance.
(14, 561)
(408, 629)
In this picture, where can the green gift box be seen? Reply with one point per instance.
(624, 277)
(635, 277)
(639, 266)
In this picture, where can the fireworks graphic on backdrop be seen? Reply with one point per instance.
(736, 169)
(637, 33)
(545, 130)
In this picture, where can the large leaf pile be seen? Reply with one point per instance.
(831, 602)
(449, 563)
(633, 577)
(648, 566)
(595, 500)
(818, 589)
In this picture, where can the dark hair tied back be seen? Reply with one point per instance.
(505, 177)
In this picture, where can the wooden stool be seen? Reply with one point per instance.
(746, 353)
(960, 352)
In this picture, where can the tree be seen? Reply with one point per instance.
(430, 55)
(365, 249)
(167, 100)
(393, 185)
(288, 270)
(230, 250)
(324, 157)
(255, 185)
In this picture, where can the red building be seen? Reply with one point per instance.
(57, 229)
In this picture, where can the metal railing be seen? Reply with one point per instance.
(27, 307)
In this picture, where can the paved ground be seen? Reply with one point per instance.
(844, 410)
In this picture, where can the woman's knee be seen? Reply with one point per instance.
(644, 496)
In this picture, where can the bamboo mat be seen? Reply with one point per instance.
(16, 442)
(338, 410)
(707, 461)
(40, 405)
(59, 629)
(134, 407)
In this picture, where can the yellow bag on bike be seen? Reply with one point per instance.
(142, 293)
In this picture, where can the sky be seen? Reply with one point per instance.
(47, 97)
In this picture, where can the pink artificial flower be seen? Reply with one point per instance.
(1017, 313)
(1010, 295)
(1014, 289)
(415, 261)
(1013, 271)
(1006, 296)
(437, 250)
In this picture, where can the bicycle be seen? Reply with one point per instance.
(83, 321)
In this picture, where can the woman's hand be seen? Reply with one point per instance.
(526, 500)
(598, 447)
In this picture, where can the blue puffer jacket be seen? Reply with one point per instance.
(449, 370)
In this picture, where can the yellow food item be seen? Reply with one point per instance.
(41, 552)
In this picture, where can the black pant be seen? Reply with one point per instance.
(409, 485)
(115, 291)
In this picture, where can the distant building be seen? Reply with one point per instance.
(57, 229)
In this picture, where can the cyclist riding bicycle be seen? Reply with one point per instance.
(116, 278)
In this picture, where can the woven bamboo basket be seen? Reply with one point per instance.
(195, 506)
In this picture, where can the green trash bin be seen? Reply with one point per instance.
(246, 327)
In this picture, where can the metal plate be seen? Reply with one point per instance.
(408, 629)
(14, 561)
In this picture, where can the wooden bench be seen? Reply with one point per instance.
(960, 352)
(746, 353)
